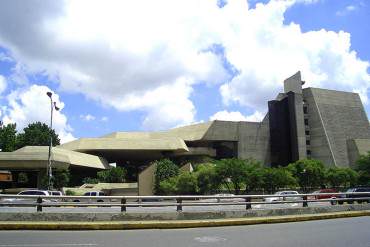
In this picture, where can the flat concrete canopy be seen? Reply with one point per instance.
(36, 157)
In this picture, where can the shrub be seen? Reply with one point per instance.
(206, 178)
(113, 175)
(89, 180)
(168, 186)
(165, 169)
(187, 183)
(70, 193)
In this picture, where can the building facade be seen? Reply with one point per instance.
(327, 125)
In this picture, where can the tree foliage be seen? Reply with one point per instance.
(207, 178)
(187, 183)
(232, 171)
(276, 178)
(61, 178)
(37, 134)
(254, 175)
(112, 175)
(310, 173)
(363, 168)
(165, 169)
(336, 177)
(8, 137)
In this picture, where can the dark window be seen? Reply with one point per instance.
(93, 193)
(308, 142)
(305, 121)
(308, 152)
(305, 109)
(307, 132)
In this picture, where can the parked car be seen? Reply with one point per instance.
(318, 195)
(91, 193)
(28, 193)
(281, 196)
(354, 196)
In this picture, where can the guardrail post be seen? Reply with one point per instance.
(39, 206)
(179, 206)
(305, 204)
(248, 201)
(123, 205)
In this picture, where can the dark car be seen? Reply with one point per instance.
(356, 197)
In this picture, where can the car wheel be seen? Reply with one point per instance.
(333, 202)
(350, 202)
(76, 200)
(340, 202)
(100, 201)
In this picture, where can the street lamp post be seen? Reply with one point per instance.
(48, 169)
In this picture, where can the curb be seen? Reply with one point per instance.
(172, 224)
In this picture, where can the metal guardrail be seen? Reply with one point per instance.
(179, 201)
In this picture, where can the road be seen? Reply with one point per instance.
(161, 209)
(337, 232)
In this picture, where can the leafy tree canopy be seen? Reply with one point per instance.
(232, 171)
(309, 173)
(363, 168)
(112, 175)
(8, 134)
(165, 170)
(37, 134)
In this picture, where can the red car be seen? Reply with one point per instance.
(318, 196)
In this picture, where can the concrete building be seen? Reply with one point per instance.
(322, 124)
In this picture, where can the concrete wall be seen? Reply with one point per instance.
(357, 147)
(146, 180)
(254, 141)
(334, 117)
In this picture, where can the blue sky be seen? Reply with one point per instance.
(144, 66)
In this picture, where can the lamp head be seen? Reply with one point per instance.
(49, 94)
(56, 107)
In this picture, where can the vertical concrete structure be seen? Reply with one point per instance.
(334, 119)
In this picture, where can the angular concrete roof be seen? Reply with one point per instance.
(37, 156)
(192, 132)
(91, 144)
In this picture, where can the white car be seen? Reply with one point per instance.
(27, 193)
(281, 196)
(91, 193)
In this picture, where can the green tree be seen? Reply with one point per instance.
(363, 168)
(61, 178)
(232, 171)
(337, 177)
(309, 173)
(89, 180)
(254, 175)
(165, 169)
(22, 178)
(168, 186)
(37, 134)
(8, 134)
(206, 178)
(187, 183)
(275, 178)
(112, 175)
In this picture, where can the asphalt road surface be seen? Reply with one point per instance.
(161, 209)
(337, 232)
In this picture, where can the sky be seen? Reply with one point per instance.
(153, 65)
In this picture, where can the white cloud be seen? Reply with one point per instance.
(104, 119)
(265, 52)
(2, 84)
(87, 117)
(346, 10)
(237, 116)
(131, 57)
(31, 105)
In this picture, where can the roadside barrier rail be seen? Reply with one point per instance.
(179, 201)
